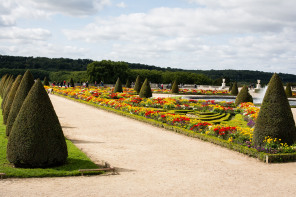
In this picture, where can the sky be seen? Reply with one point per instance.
(188, 34)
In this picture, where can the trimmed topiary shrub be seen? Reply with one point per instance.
(36, 139)
(234, 90)
(138, 84)
(145, 91)
(128, 84)
(20, 95)
(118, 86)
(2, 82)
(230, 87)
(275, 118)
(10, 97)
(45, 81)
(288, 90)
(6, 91)
(175, 88)
(243, 96)
(72, 83)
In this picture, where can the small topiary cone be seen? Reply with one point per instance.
(6, 92)
(145, 91)
(138, 84)
(36, 139)
(45, 81)
(288, 90)
(72, 83)
(10, 98)
(3, 79)
(234, 90)
(175, 88)
(118, 86)
(243, 96)
(275, 117)
(20, 95)
(128, 84)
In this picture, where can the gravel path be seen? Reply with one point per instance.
(152, 162)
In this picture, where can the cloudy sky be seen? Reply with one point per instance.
(188, 34)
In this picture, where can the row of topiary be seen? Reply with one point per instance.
(35, 136)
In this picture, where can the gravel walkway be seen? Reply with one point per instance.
(152, 162)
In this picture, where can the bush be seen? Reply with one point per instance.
(138, 84)
(234, 90)
(230, 87)
(118, 86)
(145, 91)
(45, 81)
(243, 96)
(72, 83)
(128, 84)
(2, 82)
(288, 90)
(36, 139)
(6, 91)
(275, 118)
(175, 88)
(10, 98)
(20, 95)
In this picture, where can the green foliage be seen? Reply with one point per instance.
(243, 96)
(145, 91)
(37, 139)
(175, 88)
(128, 84)
(234, 90)
(67, 75)
(275, 118)
(20, 95)
(288, 90)
(45, 81)
(118, 86)
(72, 82)
(2, 82)
(10, 98)
(15, 72)
(6, 90)
(107, 71)
(230, 87)
(138, 84)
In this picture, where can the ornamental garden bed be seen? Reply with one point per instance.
(220, 123)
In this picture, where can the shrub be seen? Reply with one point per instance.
(243, 96)
(10, 98)
(118, 86)
(145, 91)
(36, 139)
(275, 118)
(288, 90)
(72, 83)
(230, 87)
(45, 81)
(175, 88)
(2, 82)
(128, 84)
(234, 90)
(20, 95)
(138, 84)
(6, 91)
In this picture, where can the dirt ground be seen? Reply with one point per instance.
(152, 162)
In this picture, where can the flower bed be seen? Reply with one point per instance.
(158, 111)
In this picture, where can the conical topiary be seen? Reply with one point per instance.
(128, 84)
(6, 91)
(243, 96)
(20, 95)
(3, 79)
(230, 87)
(288, 90)
(138, 84)
(10, 97)
(4, 85)
(45, 81)
(275, 117)
(145, 91)
(72, 83)
(175, 88)
(36, 139)
(234, 90)
(118, 86)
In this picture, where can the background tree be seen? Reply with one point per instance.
(275, 118)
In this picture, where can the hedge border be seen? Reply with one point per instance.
(264, 157)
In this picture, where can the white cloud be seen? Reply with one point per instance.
(16, 34)
(121, 5)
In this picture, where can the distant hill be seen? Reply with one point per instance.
(66, 64)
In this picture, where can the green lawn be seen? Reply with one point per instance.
(76, 160)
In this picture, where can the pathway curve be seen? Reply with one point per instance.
(153, 162)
